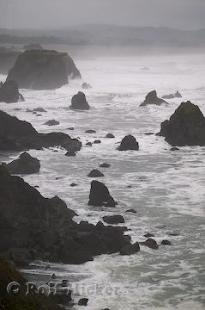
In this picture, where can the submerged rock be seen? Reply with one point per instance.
(70, 153)
(113, 219)
(86, 86)
(95, 173)
(129, 143)
(104, 165)
(24, 164)
(43, 69)
(9, 92)
(185, 127)
(100, 195)
(90, 131)
(51, 122)
(130, 249)
(79, 102)
(97, 141)
(43, 228)
(171, 96)
(18, 135)
(152, 98)
(131, 211)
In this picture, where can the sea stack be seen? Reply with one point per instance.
(43, 69)
(79, 102)
(152, 99)
(129, 143)
(186, 126)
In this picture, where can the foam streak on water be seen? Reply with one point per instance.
(167, 187)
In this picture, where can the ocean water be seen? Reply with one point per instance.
(167, 188)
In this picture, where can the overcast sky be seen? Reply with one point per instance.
(54, 14)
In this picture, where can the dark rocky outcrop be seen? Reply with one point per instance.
(174, 148)
(109, 136)
(130, 249)
(100, 195)
(9, 92)
(113, 219)
(166, 242)
(70, 153)
(172, 96)
(51, 122)
(131, 211)
(185, 127)
(43, 69)
(34, 227)
(24, 164)
(97, 141)
(152, 98)
(150, 243)
(41, 110)
(95, 173)
(128, 143)
(90, 131)
(104, 165)
(18, 135)
(148, 235)
(23, 300)
(89, 143)
(83, 302)
(79, 102)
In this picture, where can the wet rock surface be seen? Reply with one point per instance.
(43, 69)
(129, 143)
(186, 126)
(151, 99)
(34, 227)
(18, 135)
(79, 102)
(100, 195)
(9, 92)
(24, 164)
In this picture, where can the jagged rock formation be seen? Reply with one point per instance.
(34, 227)
(100, 195)
(185, 127)
(79, 102)
(24, 164)
(51, 122)
(152, 98)
(43, 69)
(9, 92)
(172, 96)
(128, 143)
(18, 135)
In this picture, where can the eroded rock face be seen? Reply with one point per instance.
(9, 92)
(129, 143)
(43, 69)
(18, 135)
(185, 127)
(100, 195)
(152, 98)
(79, 102)
(34, 227)
(8, 57)
(24, 164)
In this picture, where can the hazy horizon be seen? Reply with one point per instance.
(60, 14)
